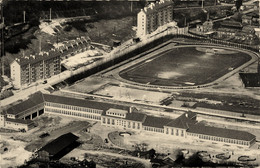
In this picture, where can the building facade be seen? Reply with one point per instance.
(129, 118)
(155, 15)
(29, 69)
(205, 27)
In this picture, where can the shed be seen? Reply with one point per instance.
(57, 148)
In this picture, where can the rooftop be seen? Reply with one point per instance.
(230, 23)
(153, 7)
(82, 103)
(132, 116)
(183, 121)
(158, 122)
(33, 100)
(250, 79)
(21, 121)
(52, 53)
(220, 132)
(59, 143)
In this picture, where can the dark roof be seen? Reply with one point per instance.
(133, 116)
(82, 103)
(220, 132)
(51, 53)
(157, 122)
(59, 143)
(21, 121)
(250, 79)
(183, 121)
(33, 100)
(33, 59)
(136, 116)
(229, 23)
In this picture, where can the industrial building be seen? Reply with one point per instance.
(122, 117)
(153, 16)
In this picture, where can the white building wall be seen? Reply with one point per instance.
(141, 23)
(15, 70)
(2, 120)
(16, 126)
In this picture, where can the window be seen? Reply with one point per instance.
(172, 131)
(129, 124)
(138, 125)
(182, 133)
(108, 121)
(177, 132)
(167, 130)
(133, 125)
(113, 122)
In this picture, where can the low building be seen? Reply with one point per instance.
(57, 148)
(220, 135)
(231, 24)
(122, 117)
(205, 27)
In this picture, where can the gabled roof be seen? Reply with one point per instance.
(136, 117)
(33, 100)
(183, 121)
(21, 121)
(133, 116)
(59, 143)
(157, 122)
(81, 102)
(220, 132)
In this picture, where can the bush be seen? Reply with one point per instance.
(67, 28)
(79, 25)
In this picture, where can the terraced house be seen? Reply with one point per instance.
(121, 117)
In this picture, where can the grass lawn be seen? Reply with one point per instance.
(185, 66)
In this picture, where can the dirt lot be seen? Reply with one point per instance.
(21, 145)
(129, 94)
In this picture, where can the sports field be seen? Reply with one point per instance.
(185, 66)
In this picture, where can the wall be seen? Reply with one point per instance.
(15, 74)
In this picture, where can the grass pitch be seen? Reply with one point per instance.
(185, 66)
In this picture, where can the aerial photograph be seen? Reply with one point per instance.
(129, 83)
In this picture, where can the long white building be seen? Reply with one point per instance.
(122, 117)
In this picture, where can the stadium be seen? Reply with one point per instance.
(185, 66)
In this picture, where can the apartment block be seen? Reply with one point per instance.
(153, 16)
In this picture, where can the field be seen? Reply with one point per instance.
(183, 66)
